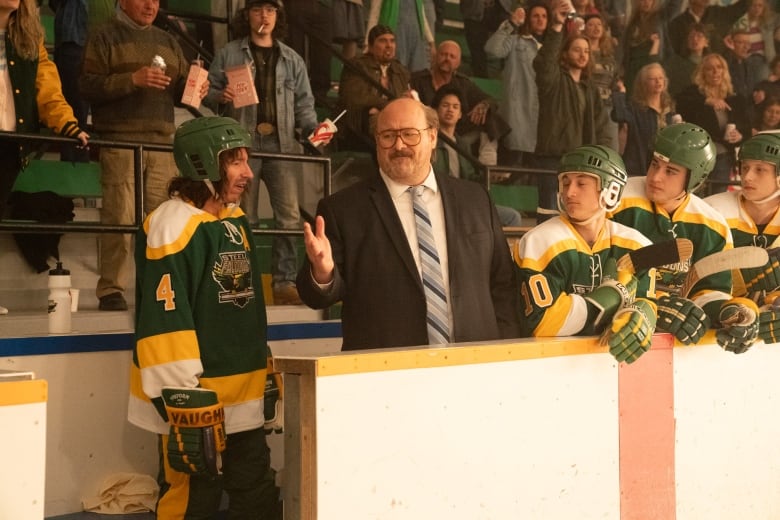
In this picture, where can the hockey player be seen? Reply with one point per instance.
(753, 214)
(199, 363)
(567, 279)
(662, 206)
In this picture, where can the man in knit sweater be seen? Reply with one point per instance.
(132, 93)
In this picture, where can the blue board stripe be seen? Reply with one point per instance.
(80, 343)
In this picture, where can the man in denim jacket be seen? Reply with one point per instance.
(286, 103)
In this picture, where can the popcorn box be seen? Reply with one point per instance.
(195, 79)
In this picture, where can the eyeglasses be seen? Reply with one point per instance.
(409, 136)
(265, 9)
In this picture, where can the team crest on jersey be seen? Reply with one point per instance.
(233, 273)
(596, 273)
(670, 278)
(233, 233)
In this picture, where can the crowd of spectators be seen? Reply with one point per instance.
(573, 73)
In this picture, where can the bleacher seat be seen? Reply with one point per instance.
(63, 178)
(524, 199)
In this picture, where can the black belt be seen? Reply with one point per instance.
(265, 128)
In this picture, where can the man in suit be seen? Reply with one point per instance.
(364, 248)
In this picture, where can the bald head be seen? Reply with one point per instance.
(448, 57)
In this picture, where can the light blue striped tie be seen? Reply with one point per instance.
(433, 283)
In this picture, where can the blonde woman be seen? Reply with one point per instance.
(30, 90)
(649, 109)
(711, 103)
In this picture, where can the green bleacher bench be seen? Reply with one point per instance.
(492, 87)
(63, 178)
(524, 199)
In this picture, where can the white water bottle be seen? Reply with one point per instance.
(59, 300)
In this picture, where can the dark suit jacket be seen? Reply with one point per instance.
(378, 282)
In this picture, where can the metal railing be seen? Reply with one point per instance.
(7, 226)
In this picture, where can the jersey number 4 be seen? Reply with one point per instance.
(165, 293)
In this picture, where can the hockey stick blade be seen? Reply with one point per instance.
(737, 258)
(656, 255)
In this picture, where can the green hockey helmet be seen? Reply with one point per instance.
(690, 146)
(601, 162)
(762, 147)
(198, 143)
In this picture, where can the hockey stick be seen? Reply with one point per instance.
(656, 255)
(737, 258)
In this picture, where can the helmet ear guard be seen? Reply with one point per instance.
(690, 146)
(198, 143)
(601, 162)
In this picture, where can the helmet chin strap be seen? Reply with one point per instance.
(770, 198)
(598, 214)
(210, 186)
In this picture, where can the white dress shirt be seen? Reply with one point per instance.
(404, 206)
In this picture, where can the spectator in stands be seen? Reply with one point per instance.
(483, 124)
(131, 100)
(770, 87)
(768, 116)
(712, 104)
(760, 23)
(604, 72)
(370, 81)
(646, 37)
(571, 112)
(680, 67)
(72, 20)
(30, 91)
(311, 23)
(363, 249)
(480, 19)
(286, 103)
(662, 206)
(519, 102)
(349, 25)
(753, 214)
(449, 104)
(565, 276)
(746, 70)
(650, 109)
(411, 26)
(584, 8)
(717, 18)
(201, 328)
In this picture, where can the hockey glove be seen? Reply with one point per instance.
(631, 332)
(769, 325)
(616, 291)
(682, 318)
(197, 435)
(273, 398)
(766, 278)
(739, 321)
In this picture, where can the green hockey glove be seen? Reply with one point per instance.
(616, 290)
(631, 332)
(197, 435)
(685, 320)
(769, 324)
(765, 278)
(739, 321)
